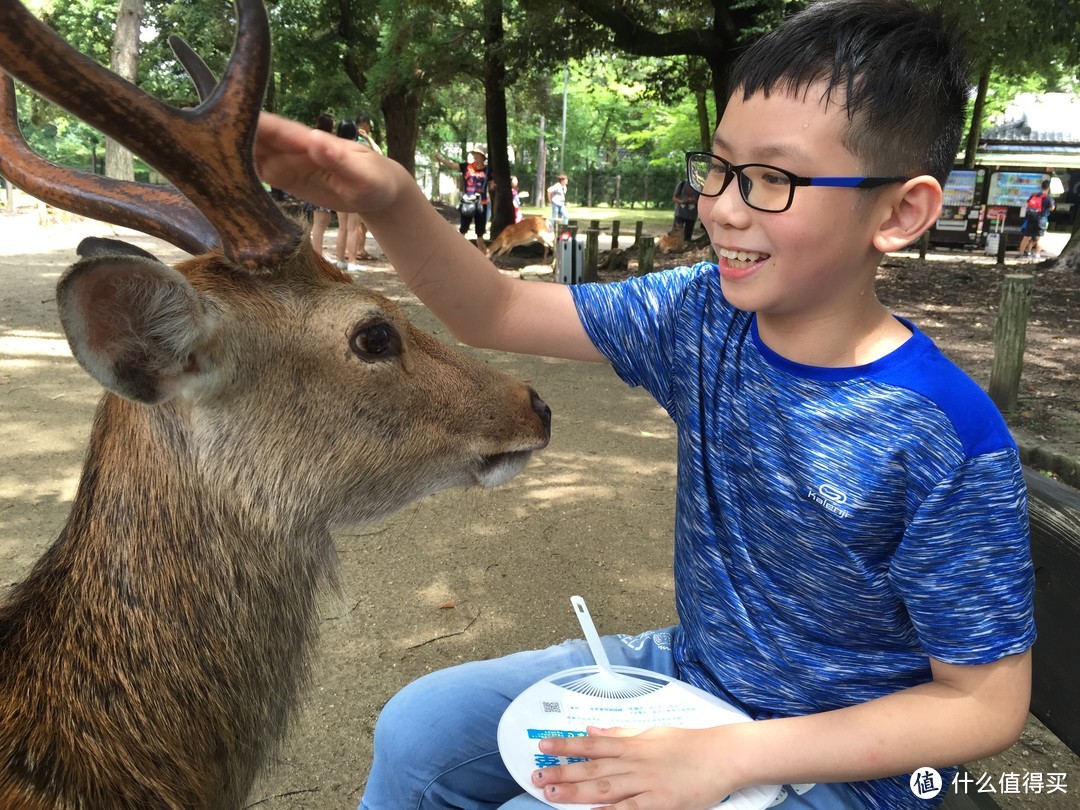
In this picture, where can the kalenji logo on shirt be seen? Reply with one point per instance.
(831, 498)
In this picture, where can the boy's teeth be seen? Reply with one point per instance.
(741, 255)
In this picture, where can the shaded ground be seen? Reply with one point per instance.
(471, 574)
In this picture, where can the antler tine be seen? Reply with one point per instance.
(160, 211)
(207, 152)
(196, 68)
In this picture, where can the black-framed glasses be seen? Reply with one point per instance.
(763, 187)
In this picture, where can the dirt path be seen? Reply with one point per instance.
(462, 575)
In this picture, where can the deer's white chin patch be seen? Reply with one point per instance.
(500, 468)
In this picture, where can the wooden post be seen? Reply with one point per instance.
(592, 249)
(1010, 336)
(646, 254)
(638, 226)
(924, 244)
(614, 235)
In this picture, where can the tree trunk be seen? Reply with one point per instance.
(124, 62)
(1070, 255)
(401, 112)
(705, 130)
(501, 200)
(977, 117)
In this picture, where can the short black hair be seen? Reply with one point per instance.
(902, 72)
(347, 130)
(362, 119)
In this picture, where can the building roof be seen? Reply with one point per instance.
(1038, 131)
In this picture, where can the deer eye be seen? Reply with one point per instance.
(376, 341)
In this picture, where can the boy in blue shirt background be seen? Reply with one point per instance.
(851, 550)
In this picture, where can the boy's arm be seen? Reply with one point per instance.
(466, 292)
(964, 713)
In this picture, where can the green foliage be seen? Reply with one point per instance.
(627, 113)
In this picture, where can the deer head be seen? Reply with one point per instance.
(255, 399)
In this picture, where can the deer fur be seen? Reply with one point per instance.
(529, 230)
(154, 654)
(255, 400)
(674, 241)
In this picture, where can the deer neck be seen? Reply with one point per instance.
(167, 606)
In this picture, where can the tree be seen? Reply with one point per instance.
(711, 31)
(119, 162)
(502, 206)
(1007, 53)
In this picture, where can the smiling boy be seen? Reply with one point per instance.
(851, 548)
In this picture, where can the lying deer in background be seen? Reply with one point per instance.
(255, 400)
(674, 241)
(529, 230)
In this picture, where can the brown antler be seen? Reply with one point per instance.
(160, 211)
(206, 152)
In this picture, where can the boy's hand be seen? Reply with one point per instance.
(652, 769)
(322, 169)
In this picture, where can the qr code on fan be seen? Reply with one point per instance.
(551, 706)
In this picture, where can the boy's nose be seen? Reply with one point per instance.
(727, 209)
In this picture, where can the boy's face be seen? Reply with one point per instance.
(815, 256)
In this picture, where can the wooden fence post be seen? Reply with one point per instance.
(614, 235)
(646, 254)
(592, 249)
(1010, 337)
(924, 244)
(638, 226)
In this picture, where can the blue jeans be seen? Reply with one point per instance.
(558, 214)
(435, 741)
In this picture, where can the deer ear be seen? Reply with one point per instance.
(133, 323)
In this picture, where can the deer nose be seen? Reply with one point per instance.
(542, 410)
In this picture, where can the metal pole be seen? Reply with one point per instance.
(562, 146)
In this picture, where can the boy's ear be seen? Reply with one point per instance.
(915, 206)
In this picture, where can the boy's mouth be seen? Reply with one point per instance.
(741, 258)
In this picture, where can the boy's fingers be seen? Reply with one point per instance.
(595, 731)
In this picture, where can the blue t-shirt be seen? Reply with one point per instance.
(834, 527)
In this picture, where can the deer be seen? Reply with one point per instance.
(529, 230)
(255, 400)
(673, 241)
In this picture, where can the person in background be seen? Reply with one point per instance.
(364, 136)
(852, 562)
(473, 206)
(320, 217)
(686, 200)
(516, 198)
(1036, 220)
(348, 221)
(556, 195)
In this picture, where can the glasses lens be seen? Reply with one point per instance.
(765, 187)
(707, 174)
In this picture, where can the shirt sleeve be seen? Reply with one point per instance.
(964, 565)
(633, 324)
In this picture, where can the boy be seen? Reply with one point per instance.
(1036, 220)
(851, 549)
(556, 195)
